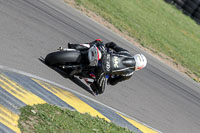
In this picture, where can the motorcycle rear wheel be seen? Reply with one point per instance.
(63, 58)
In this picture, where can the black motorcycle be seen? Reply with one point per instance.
(81, 62)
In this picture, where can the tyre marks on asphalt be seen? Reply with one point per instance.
(17, 90)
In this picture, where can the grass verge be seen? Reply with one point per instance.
(45, 118)
(155, 24)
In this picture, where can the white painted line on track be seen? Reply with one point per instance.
(73, 91)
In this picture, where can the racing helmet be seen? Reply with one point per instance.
(140, 61)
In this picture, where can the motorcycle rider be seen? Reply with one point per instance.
(121, 64)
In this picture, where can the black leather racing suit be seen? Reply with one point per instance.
(120, 71)
(123, 72)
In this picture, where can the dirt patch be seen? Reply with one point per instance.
(160, 56)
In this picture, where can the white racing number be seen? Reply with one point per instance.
(116, 61)
(108, 63)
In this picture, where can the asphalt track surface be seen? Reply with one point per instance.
(18, 89)
(157, 95)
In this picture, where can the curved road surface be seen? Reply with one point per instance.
(157, 96)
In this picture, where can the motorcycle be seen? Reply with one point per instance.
(81, 62)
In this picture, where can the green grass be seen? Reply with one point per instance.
(45, 118)
(155, 24)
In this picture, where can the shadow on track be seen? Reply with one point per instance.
(72, 78)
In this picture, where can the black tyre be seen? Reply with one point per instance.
(196, 15)
(191, 4)
(101, 91)
(96, 88)
(198, 9)
(188, 10)
(62, 58)
(169, 1)
(197, 2)
(197, 20)
(189, 7)
(180, 3)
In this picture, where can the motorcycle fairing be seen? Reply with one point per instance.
(94, 55)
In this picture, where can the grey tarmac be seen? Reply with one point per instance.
(158, 95)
